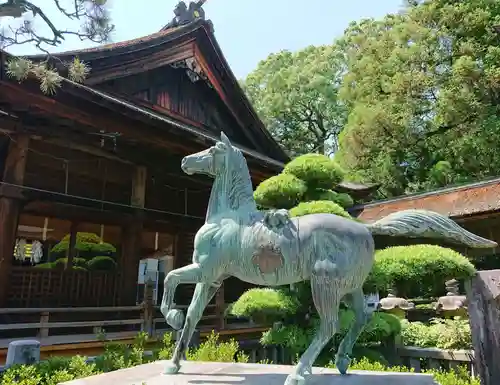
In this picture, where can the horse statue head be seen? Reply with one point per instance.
(232, 189)
(213, 161)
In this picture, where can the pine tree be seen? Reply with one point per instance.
(95, 26)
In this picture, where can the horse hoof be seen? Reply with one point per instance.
(172, 368)
(175, 318)
(295, 379)
(342, 363)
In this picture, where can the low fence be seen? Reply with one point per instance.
(415, 358)
(433, 358)
(32, 287)
(56, 326)
(71, 325)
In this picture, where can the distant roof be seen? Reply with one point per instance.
(455, 202)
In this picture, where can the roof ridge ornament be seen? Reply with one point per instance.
(186, 14)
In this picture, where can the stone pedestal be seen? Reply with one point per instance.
(245, 374)
(23, 352)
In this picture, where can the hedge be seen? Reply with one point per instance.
(419, 270)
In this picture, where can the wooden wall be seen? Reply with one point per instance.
(172, 89)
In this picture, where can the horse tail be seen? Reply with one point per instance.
(427, 224)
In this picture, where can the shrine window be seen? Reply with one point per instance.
(36, 236)
(155, 243)
(44, 243)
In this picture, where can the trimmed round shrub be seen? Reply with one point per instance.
(46, 265)
(318, 207)
(315, 170)
(85, 249)
(419, 270)
(101, 263)
(83, 237)
(282, 191)
(61, 262)
(264, 306)
(318, 194)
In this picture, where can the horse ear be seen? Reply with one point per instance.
(224, 139)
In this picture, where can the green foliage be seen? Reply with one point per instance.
(84, 248)
(418, 270)
(342, 199)
(318, 207)
(421, 88)
(292, 337)
(77, 262)
(316, 170)
(265, 306)
(213, 350)
(118, 356)
(295, 94)
(46, 265)
(83, 237)
(441, 333)
(280, 191)
(101, 263)
(51, 372)
(381, 327)
(167, 348)
(459, 377)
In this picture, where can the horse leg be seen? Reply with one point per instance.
(187, 274)
(203, 294)
(356, 301)
(325, 295)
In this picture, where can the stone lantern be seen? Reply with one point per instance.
(452, 304)
(394, 305)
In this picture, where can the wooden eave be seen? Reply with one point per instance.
(137, 124)
(194, 40)
(458, 202)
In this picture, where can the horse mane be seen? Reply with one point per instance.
(241, 191)
(232, 190)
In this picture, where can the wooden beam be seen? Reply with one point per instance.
(13, 173)
(73, 233)
(161, 164)
(131, 242)
(139, 179)
(85, 149)
(90, 115)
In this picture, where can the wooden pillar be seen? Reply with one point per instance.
(10, 207)
(131, 236)
(71, 247)
(483, 293)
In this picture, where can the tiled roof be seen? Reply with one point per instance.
(125, 43)
(453, 202)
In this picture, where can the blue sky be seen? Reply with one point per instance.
(247, 32)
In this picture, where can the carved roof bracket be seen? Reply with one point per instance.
(193, 70)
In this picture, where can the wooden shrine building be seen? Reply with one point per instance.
(474, 206)
(91, 179)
